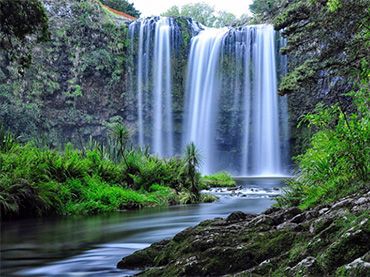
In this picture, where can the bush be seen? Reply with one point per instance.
(337, 163)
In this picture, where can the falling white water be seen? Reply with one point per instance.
(162, 110)
(140, 85)
(153, 84)
(202, 91)
(231, 109)
(265, 130)
(214, 93)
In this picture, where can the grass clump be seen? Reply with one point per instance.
(208, 198)
(219, 179)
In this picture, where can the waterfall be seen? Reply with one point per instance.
(265, 158)
(153, 83)
(202, 91)
(229, 104)
(232, 106)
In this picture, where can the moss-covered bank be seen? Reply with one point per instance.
(328, 240)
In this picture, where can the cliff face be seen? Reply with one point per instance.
(76, 83)
(327, 46)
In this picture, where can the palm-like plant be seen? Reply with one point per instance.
(121, 136)
(192, 162)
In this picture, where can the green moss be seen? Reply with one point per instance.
(213, 248)
(296, 11)
(292, 82)
(351, 241)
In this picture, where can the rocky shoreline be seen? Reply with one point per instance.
(328, 240)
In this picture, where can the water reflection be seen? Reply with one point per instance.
(93, 245)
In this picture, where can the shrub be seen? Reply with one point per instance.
(337, 163)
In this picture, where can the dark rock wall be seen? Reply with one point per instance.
(327, 47)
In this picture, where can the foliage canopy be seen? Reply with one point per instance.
(21, 18)
(203, 13)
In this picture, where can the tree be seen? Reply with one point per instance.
(200, 12)
(20, 18)
(224, 19)
(172, 11)
(123, 6)
(203, 13)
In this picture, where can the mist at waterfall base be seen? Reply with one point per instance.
(227, 103)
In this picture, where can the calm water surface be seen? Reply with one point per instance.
(92, 246)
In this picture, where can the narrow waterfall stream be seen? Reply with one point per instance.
(203, 87)
(228, 104)
(153, 83)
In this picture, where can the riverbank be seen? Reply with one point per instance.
(92, 245)
(331, 239)
(39, 181)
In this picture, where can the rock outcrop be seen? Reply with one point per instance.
(326, 240)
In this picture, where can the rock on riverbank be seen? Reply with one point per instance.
(326, 240)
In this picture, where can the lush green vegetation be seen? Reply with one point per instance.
(18, 20)
(75, 85)
(338, 160)
(38, 181)
(123, 6)
(326, 41)
(335, 161)
(219, 179)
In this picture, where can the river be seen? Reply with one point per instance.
(92, 246)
